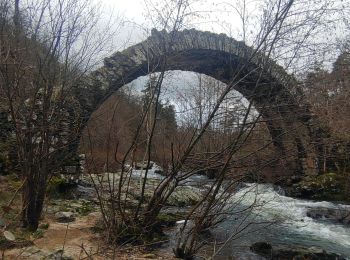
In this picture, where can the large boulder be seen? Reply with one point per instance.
(185, 196)
(85, 192)
(262, 248)
(328, 186)
(340, 215)
(292, 252)
(300, 253)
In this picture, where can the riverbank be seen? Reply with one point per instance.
(324, 187)
(283, 221)
(69, 229)
(74, 226)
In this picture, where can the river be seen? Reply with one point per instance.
(274, 218)
(279, 220)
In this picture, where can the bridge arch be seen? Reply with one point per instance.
(273, 91)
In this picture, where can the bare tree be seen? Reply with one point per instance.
(46, 49)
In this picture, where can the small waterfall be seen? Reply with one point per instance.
(291, 225)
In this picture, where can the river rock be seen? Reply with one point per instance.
(301, 253)
(328, 186)
(184, 196)
(292, 252)
(279, 190)
(64, 217)
(262, 248)
(159, 171)
(85, 192)
(140, 165)
(335, 215)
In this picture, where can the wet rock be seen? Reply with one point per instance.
(184, 196)
(64, 217)
(328, 186)
(262, 248)
(159, 171)
(85, 192)
(290, 252)
(212, 173)
(279, 190)
(311, 253)
(139, 166)
(341, 216)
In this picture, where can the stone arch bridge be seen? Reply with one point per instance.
(274, 93)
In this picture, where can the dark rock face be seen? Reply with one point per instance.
(341, 216)
(296, 253)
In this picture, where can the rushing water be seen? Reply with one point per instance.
(279, 220)
(261, 212)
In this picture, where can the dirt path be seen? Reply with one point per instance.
(78, 241)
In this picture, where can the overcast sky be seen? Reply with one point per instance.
(212, 13)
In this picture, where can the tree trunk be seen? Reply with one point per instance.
(32, 202)
(16, 17)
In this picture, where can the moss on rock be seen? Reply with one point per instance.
(328, 186)
(168, 219)
(184, 196)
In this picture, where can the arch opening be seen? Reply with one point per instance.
(259, 80)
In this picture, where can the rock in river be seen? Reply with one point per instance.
(336, 215)
(292, 252)
(262, 248)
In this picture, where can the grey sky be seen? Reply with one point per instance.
(212, 16)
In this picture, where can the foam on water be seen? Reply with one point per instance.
(291, 215)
